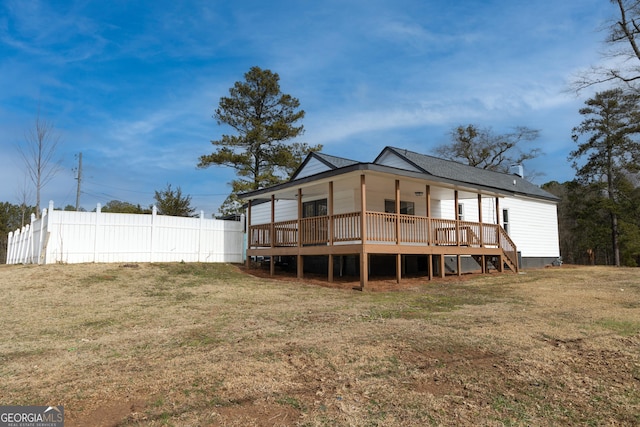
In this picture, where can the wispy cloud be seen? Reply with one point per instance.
(37, 29)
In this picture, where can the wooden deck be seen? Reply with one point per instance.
(383, 233)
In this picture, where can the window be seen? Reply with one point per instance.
(460, 212)
(406, 208)
(505, 220)
(314, 208)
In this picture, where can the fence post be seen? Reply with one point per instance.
(201, 224)
(24, 249)
(18, 250)
(41, 237)
(18, 245)
(154, 213)
(45, 244)
(95, 232)
(18, 237)
(244, 233)
(31, 250)
(9, 239)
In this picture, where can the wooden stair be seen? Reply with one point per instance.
(510, 264)
(494, 261)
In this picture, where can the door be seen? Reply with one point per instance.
(314, 224)
(314, 208)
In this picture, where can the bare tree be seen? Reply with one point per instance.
(623, 39)
(40, 145)
(485, 149)
(24, 195)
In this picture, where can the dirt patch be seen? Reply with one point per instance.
(111, 413)
(257, 415)
(202, 344)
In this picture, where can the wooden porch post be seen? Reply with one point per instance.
(299, 259)
(483, 268)
(398, 256)
(498, 221)
(397, 203)
(364, 262)
(442, 266)
(272, 232)
(429, 234)
(456, 201)
(500, 265)
(480, 219)
(458, 260)
(248, 261)
(427, 192)
(330, 231)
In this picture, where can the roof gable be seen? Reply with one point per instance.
(392, 159)
(318, 162)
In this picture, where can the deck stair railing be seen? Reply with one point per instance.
(509, 250)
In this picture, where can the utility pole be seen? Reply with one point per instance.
(79, 178)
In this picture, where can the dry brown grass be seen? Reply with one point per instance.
(198, 345)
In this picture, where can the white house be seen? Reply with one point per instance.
(403, 214)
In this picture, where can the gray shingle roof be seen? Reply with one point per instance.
(336, 162)
(448, 169)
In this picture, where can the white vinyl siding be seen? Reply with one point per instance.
(470, 209)
(284, 210)
(533, 226)
(346, 201)
(447, 210)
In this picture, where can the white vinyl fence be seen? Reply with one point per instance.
(77, 237)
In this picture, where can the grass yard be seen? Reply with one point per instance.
(206, 344)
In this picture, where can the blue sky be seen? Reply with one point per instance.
(133, 84)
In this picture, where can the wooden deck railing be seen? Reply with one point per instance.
(346, 227)
(414, 229)
(382, 227)
(260, 235)
(444, 231)
(286, 233)
(315, 230)
(470, 233)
